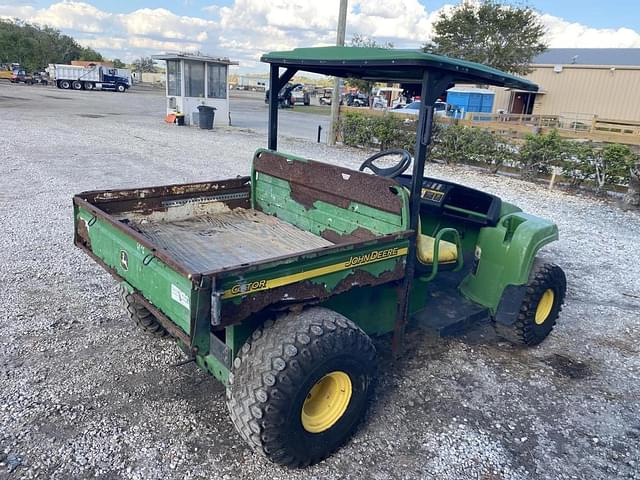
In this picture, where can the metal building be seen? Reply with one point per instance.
(580, 82)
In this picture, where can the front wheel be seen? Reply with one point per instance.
(121, 88)
(301, 385)
(540, 307)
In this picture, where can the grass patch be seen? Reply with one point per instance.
(317, 109)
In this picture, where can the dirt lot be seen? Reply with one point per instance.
(83, 394)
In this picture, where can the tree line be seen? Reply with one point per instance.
(35, 46)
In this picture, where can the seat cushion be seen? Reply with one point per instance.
(447, 253)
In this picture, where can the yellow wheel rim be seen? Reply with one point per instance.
(326, 402)
(544, 306)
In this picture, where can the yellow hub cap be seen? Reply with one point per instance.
(544, 306)
(326, 402)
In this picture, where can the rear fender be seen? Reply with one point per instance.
(504, 257)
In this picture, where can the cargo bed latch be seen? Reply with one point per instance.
(216, 308)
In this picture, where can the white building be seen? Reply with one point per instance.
(194, 80)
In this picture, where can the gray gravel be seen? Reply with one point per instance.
(83, 394)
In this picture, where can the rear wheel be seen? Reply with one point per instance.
(540, 307)
(77, 85)
(140, 315)
(88, 86)
(301, 385)
(66, 84)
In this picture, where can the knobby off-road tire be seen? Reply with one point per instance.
(140, 315)
(540, 308)
(287, 367)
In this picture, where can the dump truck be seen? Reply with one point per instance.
(275, 282)
(93, 77)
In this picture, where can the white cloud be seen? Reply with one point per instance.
(165, 24)
(563, 34)
(247, 28)
(67, 15)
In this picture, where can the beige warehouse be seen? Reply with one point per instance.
(580, 83)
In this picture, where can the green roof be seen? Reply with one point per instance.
(391, 65)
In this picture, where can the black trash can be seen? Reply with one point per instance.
(205, 117)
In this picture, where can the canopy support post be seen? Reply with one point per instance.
(432, 86)
(276, 82)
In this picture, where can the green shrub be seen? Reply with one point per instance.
(460, 144)
(385, 131)
(612, 165)
(579, 167)
(541, 151)
(604, 166)
(355, 130)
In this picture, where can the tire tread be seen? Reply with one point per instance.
(261, 380)
(543, 276)
(142, 317)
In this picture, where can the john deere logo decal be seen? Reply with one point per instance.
(374, 256)
(124, 260)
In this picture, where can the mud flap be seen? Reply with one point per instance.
(510, 303)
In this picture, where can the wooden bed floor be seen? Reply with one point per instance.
(209, 242)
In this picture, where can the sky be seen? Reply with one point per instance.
(244, 29)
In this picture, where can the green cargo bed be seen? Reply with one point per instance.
(205, 256)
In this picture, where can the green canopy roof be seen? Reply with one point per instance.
(391, 65)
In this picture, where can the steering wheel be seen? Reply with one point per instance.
(390, 172)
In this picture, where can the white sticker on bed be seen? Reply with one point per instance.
(179, 296)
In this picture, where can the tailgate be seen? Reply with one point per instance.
(162, 283)
(167, 289)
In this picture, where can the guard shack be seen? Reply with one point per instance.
(194, 80)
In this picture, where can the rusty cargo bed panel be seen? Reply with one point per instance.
(225, 239)
(208, 255)
(234, 192)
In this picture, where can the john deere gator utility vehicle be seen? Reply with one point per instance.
(275, 282)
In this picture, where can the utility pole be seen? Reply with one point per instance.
(337, 84)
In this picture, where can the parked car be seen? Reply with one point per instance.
(300, 95)
(357, 100)
(413, 108)
(41, 78)
(20, 76)
(286, 97)
(327, 96)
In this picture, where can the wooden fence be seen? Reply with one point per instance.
(578, 126)
(568, 125)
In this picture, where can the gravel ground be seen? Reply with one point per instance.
(85, 395)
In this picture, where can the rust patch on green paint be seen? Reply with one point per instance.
(307, 292)
(312, 181)
(358, 234)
